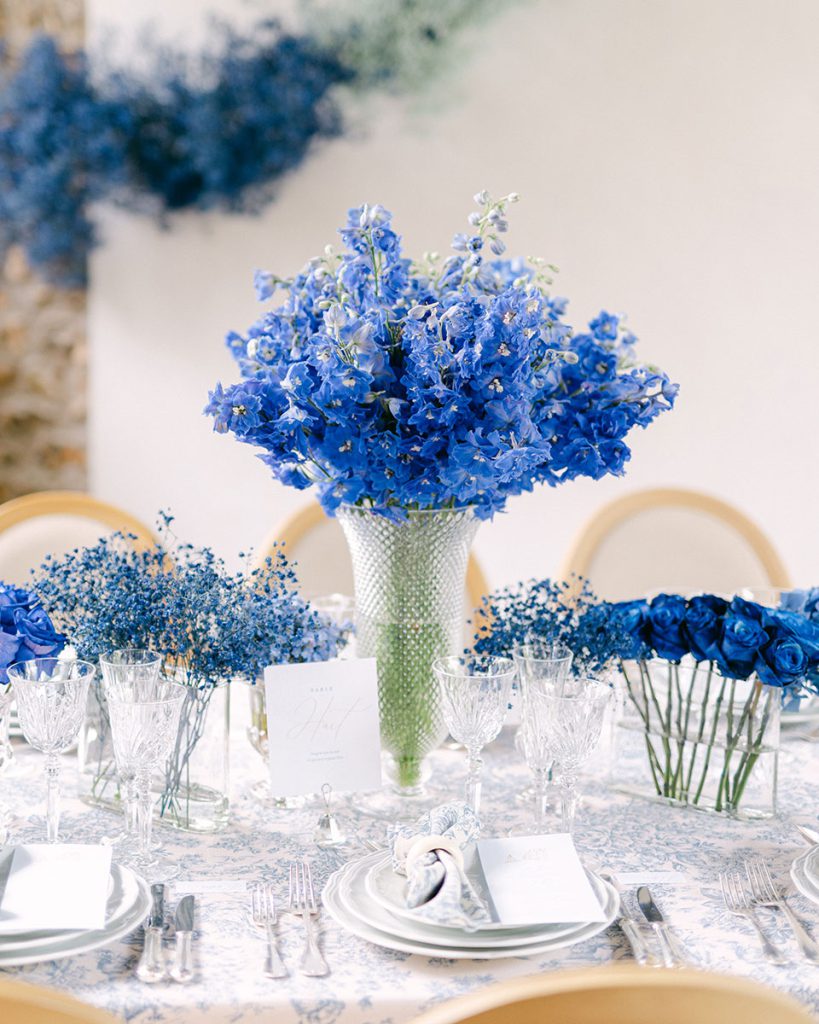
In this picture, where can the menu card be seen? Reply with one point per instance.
(537, 880)
(323, 726)
(53, 887)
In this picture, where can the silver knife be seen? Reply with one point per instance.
(671, 952)
(809, 834)
(151, 966)
(182, 968)
(628, 926)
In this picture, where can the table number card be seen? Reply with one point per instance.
(538, 880)
(322, 726)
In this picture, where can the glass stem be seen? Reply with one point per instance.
(131, 806)
(568, 798)
(53, 797)
(144, 812)
(473, 780)
(541, 798)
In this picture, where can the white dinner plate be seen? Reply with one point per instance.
(803, 883)
(358, 899)
(128, 905)
(352, 923)
(346, 900)
(810, 867)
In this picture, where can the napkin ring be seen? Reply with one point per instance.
(423, 845)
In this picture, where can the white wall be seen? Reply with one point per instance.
(668, 156)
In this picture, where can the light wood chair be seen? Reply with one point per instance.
(621, 994)
(316, 542)
(674, 539)
(55, 522)
(30, 1004)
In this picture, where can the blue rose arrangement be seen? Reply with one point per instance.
(399, 385)
(211, 625)
(26, 630)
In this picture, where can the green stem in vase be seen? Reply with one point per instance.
(742, 780)
(642, 711)
(703, 720)
(712, 739)
(645, 675)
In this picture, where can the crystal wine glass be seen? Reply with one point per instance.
(6, 698)
(51, 698)
(541, 662)
(130, 664)
(144, 725)
(570, 720)
(474, 700)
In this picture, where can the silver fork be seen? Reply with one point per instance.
(263, 912)
(303, 904)
(765, 894)
(738, 901)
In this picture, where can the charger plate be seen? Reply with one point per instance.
(346, 900)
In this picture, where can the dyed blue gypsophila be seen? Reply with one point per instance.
(740, 638)
(565, 611)
(26, 631)
(181, 601)
(401, 385)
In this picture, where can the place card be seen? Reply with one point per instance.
(323, 726)
(537, 880)
(54, 887)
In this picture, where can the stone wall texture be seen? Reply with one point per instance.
(42, 329)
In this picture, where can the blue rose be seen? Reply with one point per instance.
(630, 620)
(9, 646)
(742, 638)
(666, 617)
(796, 626)
(703, 619)
(37, 635)
(13, 599)
(782, 662)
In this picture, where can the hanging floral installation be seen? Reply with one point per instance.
(217, 130)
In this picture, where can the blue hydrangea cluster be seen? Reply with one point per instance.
(440, 383)
(26, 631)
(739, 637)
(552, 610)
(181, 601)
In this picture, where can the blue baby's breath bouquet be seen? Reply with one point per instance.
(211, 626)
(416, 397)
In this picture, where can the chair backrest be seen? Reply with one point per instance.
(672, 539)
(55, 522)
(30, 1004)
(621, 994)
(316, 543)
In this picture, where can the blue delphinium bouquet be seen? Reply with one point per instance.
(26, 631)
(402, 385)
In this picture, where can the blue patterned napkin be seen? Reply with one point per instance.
(430, 854)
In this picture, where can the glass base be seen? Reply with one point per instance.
(195, 808)
(261, 793)
(152, 869)
(393, 804)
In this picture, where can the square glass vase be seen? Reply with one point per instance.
(191, 788)
(690, 737)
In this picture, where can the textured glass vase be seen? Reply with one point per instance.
(409, 596)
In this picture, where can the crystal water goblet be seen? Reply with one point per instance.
(474, 700)
(142, 667)
(51, 696)
(144, 726)
(540, 662)
(6, 698)
(570, 720)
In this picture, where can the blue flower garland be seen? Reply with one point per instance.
(194, 133)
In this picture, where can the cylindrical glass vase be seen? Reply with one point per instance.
(409, 579)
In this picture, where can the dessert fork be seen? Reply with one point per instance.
(303, 904)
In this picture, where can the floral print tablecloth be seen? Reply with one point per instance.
(369, 985)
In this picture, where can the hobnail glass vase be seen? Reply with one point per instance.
(409, 579)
